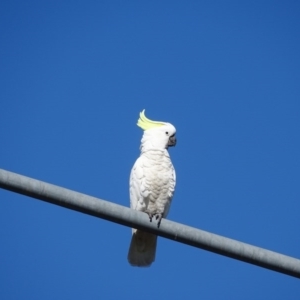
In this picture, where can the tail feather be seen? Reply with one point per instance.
(142, 249)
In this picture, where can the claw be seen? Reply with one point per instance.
(159, 217)
(150, 216)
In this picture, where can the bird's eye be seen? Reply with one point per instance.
(167, 132)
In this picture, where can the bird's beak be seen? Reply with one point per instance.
(172, 141)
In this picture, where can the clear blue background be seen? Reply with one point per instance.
(73, 77)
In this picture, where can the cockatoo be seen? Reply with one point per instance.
(152, 185)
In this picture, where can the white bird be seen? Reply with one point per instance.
(152, 185)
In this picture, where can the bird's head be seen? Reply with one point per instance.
(157, 135)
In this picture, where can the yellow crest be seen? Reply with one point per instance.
(145, 123)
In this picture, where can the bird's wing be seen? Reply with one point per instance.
(139, 189)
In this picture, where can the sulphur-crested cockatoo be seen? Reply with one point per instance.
(152, 184)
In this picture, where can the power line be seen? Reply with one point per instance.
(131, 218)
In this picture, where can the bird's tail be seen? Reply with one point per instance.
(142, 248)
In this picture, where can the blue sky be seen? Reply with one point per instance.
(74, 76)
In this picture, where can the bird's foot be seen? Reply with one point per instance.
(150, 215)
(158, 217)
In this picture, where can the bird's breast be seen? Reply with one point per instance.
(159, 177)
